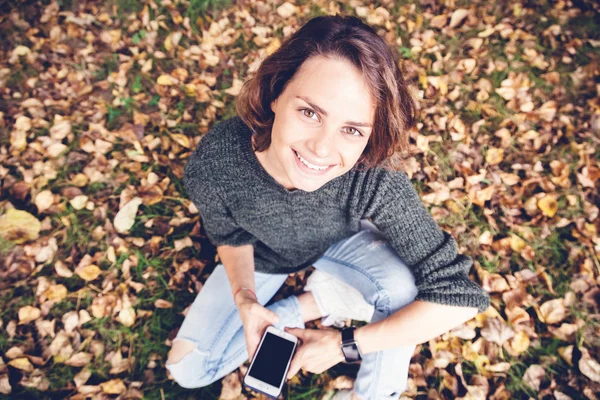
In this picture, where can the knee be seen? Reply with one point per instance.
(186, 366)
(402, 296)
(400, 293)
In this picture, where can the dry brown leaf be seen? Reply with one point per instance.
(553, 311)
(533, 376)
(588, 366)
(28, 314)
(79, 359)
(114, 386)
(458, 16)
(43, 200)
(160, 303)
(496, 331)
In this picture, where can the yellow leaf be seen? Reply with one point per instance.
(28, 314)
(21, 363)
(180, 139)
(114, 386)
(494, 156)
(516, 243)
(19, 226)
(273, 46)
(88, 272)
(168, 43)
(520, 342)
(166, 80)
(548, 205)
(56, 293)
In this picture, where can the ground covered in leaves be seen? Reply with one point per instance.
(101, 251)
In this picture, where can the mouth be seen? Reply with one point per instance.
(309, 168)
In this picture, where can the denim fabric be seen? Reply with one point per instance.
(364, 260)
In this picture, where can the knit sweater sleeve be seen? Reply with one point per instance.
(441, 273)
(204, 191)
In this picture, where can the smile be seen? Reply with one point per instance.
(311, 167)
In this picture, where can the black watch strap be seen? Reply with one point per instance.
(349, 345)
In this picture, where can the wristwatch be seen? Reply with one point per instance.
(349, 346)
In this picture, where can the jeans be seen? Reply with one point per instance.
(364, 260)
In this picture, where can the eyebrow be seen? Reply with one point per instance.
(322, 111)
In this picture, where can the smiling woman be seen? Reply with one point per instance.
(336, 71)
(298, 179)
(309, 144)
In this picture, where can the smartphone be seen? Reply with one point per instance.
(271, 362)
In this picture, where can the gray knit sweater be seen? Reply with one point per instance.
(240, 203)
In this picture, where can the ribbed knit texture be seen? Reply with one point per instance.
(240, 203)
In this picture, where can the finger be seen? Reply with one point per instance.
(295, 365)
(299, 333)
(293, 370)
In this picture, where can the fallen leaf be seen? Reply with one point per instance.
(496, 331)
(22, 363)
(127, 316)
(588, 366)
(166, 80)
(43, 200)
(114, 386)
(28, 314)
(548, 205)
(533, 376)
(125, 218)
(553, 311)
(458, 16)
(19, 226)
(88, 272)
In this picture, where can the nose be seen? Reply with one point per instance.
(322, 144)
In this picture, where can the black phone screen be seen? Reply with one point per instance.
(271, 359)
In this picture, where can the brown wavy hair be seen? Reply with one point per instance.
(351, 39)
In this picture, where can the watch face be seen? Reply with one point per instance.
(351, 353)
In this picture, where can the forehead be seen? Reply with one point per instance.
(336, 86)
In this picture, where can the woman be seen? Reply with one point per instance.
(297, 180)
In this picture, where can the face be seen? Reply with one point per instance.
(323, 118)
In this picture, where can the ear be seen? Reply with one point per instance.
(273, 105)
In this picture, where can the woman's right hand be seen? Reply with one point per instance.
(255, 319)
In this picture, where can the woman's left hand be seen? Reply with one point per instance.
(320, 350)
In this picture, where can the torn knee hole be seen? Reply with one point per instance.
(180, 349)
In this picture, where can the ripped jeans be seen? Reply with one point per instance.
(364, 260)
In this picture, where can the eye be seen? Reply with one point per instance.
(308, 110)
(356, 130)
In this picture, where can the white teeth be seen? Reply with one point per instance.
(309, 165)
